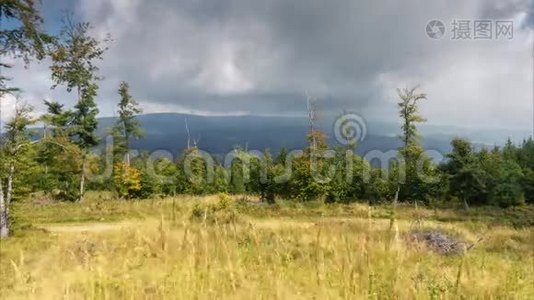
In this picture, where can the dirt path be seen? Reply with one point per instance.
(85, 227)
(279, 223)
(102, 227)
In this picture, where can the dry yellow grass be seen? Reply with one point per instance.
(243, 257)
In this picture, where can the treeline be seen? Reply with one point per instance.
(56, 164)
(498, 176)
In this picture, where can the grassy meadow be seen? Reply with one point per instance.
(220, 247)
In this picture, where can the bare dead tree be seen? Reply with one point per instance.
(4, 209)
(188, 133)
(312, 118)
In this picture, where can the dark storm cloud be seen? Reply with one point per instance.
(215, 55)
(261, 57)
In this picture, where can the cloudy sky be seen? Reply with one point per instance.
(215, 57)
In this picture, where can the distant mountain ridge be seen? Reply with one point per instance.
(221, 134)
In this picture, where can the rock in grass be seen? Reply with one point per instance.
(440, 242)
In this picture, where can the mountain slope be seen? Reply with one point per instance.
(218, 135)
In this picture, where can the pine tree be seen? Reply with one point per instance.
(126, 126)
(465, 176)
(57, 156)
(192, 174)
(239, 173)
(309, 180)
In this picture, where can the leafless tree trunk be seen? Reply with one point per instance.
(11, 174)
(4, 210)
(188, 134)
(4, 215)
(127, 139)
(466, 206)
(82, 180)
(312, 117)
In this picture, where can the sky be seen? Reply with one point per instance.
(261, 57)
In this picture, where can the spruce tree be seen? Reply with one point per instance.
(465, 177)
(127, 126)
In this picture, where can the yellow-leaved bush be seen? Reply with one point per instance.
(127, 179)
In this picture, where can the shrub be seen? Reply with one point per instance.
(507, 194)
(127, 180)
(222, 212)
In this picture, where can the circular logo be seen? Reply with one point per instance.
(435, 29)
(350, 129)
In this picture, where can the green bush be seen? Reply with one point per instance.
(507, 194)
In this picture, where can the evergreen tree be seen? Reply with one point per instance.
(466, 178)
(503, 177)
(268, 186)
(127, 126)
(262, 178)
(309, 180)
(525, 159)
(192, 173)
(220, 184)
(528, 185)
(57, 156)
(166, 170)
(281, 157)
(348, 183)
(487, 177)
(126, 177)
(509, 150)
(279, 169)
(239, 173)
